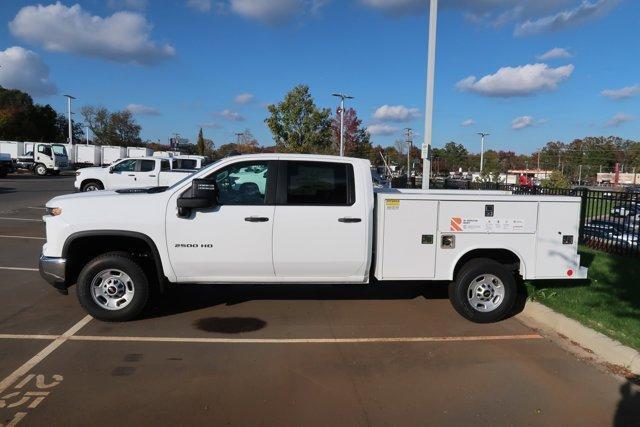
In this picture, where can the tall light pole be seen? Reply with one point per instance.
(342, 97)
(482, 135)
(428, 111)
(409, 142)
(69, 98)
(86, 129)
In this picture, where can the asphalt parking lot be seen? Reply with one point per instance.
(274, 355)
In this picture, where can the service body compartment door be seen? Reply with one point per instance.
(557, 239)
(409, 245)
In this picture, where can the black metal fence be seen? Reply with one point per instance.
(609, 220)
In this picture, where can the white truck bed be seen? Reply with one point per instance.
(410, 226)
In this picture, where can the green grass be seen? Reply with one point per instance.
(608, 302)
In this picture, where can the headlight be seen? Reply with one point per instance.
(54, 211)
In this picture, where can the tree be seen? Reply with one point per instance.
(556, 180)
(297, 125)
(117, 128)
(454, 156)
(200, 143)
(357, 141)
(22, 120)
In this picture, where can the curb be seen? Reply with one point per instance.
(536, 315)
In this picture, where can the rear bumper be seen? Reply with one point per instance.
(53, 270)
(581, 273)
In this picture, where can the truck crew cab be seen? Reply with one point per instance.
(286, 218)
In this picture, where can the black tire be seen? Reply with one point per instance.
(92, 186)
(40, 169)
(116, 261)
(459, 290)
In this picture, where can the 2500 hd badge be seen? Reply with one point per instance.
(193, 245)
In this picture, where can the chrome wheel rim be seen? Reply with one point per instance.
(91, 187)
(112, 289)
(485, 293)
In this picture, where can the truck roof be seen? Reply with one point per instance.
(309, 157)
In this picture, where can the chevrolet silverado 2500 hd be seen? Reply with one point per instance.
(288, 218)
(138, 172)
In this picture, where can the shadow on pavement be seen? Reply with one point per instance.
(628, 411)
(185, 298)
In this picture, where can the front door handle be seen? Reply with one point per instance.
(349, 220)
(256, 219)
(131, 174)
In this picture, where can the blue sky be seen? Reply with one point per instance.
(182, 64)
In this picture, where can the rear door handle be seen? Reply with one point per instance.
(256, 219)
(348, 220)
(131, 174)
(152, 176)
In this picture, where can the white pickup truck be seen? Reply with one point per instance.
(300, 219)
(138, 172)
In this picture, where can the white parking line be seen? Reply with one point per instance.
(27, 337)
(22, 237)
(20, 219)
(29, 364)
(18, 269)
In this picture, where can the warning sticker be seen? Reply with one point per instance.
(392, 204)
(483, 225)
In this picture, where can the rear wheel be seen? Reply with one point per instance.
(40, 170)
(92, 186)
(483, 291)
(113, 287)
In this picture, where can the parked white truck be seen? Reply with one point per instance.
(139, 172)
(285, 218)
(44, 158)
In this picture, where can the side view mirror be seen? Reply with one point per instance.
(202, 194)
(110, 169)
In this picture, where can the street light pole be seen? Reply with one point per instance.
(342, 97)
(409, 145)
(482, 135)
(428, 116)
(69, 98)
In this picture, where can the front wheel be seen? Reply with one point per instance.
(41, 170)
(92, 186)
(113, 287)
(483, 291)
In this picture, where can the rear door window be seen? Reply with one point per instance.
(318, 184)
(146, 165)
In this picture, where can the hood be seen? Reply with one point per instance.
(92, 169)
(89, 195)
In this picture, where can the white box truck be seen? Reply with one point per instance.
(301, 219)
(111, 153)
(12, 148)
(139, 152)
(87, 155)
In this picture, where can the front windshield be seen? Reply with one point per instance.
(179, 183)
(59, 150)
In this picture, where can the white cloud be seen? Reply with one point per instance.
(24, 70)
(121, 37)
(584, 12)
(381, 129)
(143, 110)
(522, 122)
(230, 115)
(555, 53)
(267, 11)
(243, 98)
(396, 113)
(625, 92)
(199, 5)
(523, 80)
(210, 125)
(618, 119)
(127, 4)
(468, 122)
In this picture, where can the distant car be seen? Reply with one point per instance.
(610, 232)
(625, 210)
(6, 165)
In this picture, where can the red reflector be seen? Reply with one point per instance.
(569, 272)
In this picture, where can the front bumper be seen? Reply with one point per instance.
(53, 270)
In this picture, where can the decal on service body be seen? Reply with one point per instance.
(392, 204)
(486, 224)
